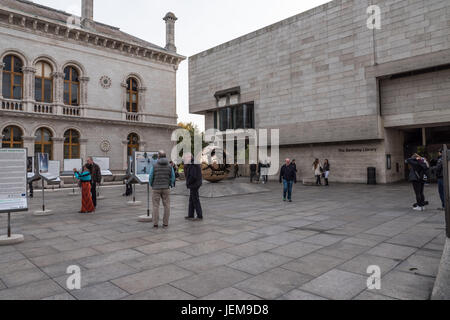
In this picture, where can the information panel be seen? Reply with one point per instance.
(70, 164)
(42, 162)
(103, 163)
(143, 162)
(13, 180)
(53, 171)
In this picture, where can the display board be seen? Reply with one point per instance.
(42, 162)
(143, 162)
(13, 180)
(130, 169)
(103, 163)
(70, 164)
(53, 172)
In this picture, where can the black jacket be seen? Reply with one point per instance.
(253, 167)
(439, 169)
(288, 173)
(417, 171)
(194, 179)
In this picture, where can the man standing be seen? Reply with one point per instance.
(288, 176)
(253, 169)
(162, 178)
(439, 169)
(96, 175)
(417, 173)
(194, 181)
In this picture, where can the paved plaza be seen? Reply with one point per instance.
(248, 247)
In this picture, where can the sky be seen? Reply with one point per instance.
(201, 25)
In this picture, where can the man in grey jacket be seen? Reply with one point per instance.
(162, 178)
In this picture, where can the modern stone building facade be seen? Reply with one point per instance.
(336, 88)
(75, 88)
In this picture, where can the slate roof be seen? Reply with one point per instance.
(34, 9)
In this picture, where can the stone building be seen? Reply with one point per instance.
(337, 89)
(74, 88)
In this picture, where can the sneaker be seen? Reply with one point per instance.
(419, 208)
(290, 200)
(165, 226)
(284, 199)
(156, 226)
(198, 219)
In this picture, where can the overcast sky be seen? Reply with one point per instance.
(201, 24)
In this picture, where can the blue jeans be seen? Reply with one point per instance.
(441, 191)
(287, 189)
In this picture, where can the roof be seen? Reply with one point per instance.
(31, 8)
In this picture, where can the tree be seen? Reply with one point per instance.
(194, 132)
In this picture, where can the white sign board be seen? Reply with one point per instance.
(42, 162)
(13, 180)
(143, 162)
(53, 171)
(103, 163)
(70, 164)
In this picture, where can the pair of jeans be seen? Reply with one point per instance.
(418, 190)
(287, 189)
(441, 191)
(94, 193)
(318, 181)
(194, 204)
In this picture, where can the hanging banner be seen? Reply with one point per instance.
(13, 180)
(143, 162)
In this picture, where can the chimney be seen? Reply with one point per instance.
(87, 13)
(170, 31)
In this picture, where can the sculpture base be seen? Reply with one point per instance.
(41, 213)
(145, 219)
(134, 203)
(225, 188)
(14, 239)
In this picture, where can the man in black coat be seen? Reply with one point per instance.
(194, 181)
(417, 172)
(288, 176)
(439, 170)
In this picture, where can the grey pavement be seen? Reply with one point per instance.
(250, 246)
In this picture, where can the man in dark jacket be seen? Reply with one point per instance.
(162, 178)
(253, 169)
(96, 175)
(439, 170)
(288, 176)
(418, 169)
(194, 181)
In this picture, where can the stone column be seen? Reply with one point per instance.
(58, 91)
(58, 150)
(170, 19)
(125, 154)
(83, 149)
(124, 100)
(142, 106)
(84, 95)
(28, 88)
(28, 143)
(2, 65)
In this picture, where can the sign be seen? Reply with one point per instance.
(143, 162)
(53, 171)
(42, 162)
(13, 180)
(353, 150)
(70, 164)
(103, 163)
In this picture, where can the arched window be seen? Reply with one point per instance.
(71, 144)
(43, 142)
(43, 83)
(132, 95)
(12, 137)
(71, 87)
(12, 78)
(133, 143)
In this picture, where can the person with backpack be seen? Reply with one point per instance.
(418, 174)
(194, 181)
(439, 170)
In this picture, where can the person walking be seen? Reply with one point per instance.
(253, 170)
(326, 171)
(418, 169)
(318, 170)
(87, 206)
(288, 176)
(96, 175)
(162, 178)
(439, 170)
(236, 171)
(194, 181)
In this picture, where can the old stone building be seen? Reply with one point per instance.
(337, 89)
(74, 88)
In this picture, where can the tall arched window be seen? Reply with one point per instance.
(71, 87)
(12, 78)
(12, 137)
(43, 83)
(71, 144)
(132, 95)
(43, 142)
(133, 143)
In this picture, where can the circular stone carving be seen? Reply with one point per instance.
(105, 146)
(212, 171)
(105, 82)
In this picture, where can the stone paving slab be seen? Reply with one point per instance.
(250, 246)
